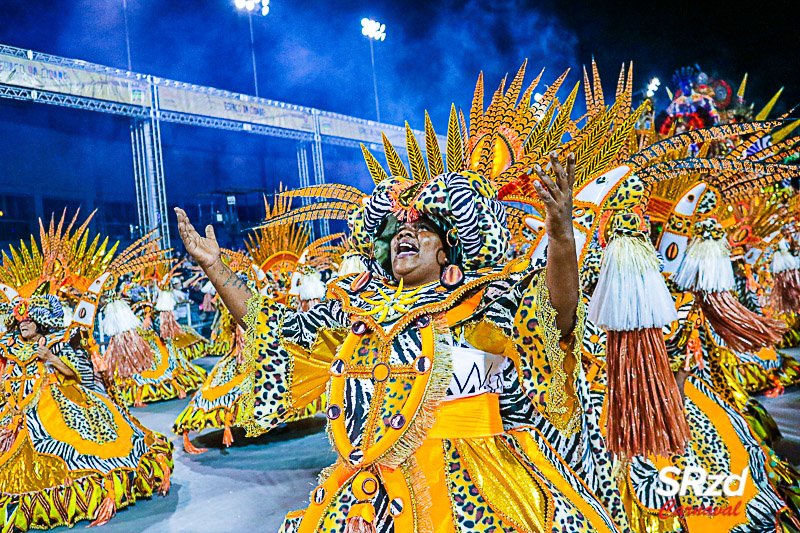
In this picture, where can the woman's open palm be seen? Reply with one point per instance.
(204, 250)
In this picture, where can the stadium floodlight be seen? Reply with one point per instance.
(374, 31)
(652, 87)
(252, 7)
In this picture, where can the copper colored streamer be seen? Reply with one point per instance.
(98, 361)
(741, 329)
(8, 436)
(786, 291)
(645, 410)
(128, 354)
(358, 525)
(147, 323)
(169, 326)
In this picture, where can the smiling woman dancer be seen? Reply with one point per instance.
(415, 349)
(444, 360)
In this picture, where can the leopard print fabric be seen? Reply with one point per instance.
(471, 511)
(93, 420)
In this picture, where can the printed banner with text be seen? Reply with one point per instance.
(72, 81)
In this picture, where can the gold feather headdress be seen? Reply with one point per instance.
(516, 131)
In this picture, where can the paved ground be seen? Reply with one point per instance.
(251, 486)
(786, 410)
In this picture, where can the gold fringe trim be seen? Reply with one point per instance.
(420, 495)
(196, 350)
(169, 389)
(789, 372)
(193, 419)
(325, 473)
(245, 418)
(80, 500)
(556, 397)
(441, 375)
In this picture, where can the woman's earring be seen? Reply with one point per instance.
(452, 237)
(452, 277)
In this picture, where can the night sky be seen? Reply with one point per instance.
(312, 53)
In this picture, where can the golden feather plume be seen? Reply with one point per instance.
(476, 111)
(536, 137)
(332, 191)
(587, 93)
(491, 121)
(280, 231)
(419, 171)
(599, 101)
(609, 151)
(553, 137)
(524, 119)
(455, 150)
(396, 166)
(510, 98)
(686, 139)
(761, 115)
(464, 138)
(375, 170)
(549, 95)
(332, 210)
(432, 151)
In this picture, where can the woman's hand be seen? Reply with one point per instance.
(557, 197)
(204, 250)
(562, 259)
(45, 355)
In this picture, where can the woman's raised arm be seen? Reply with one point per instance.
(205, 250)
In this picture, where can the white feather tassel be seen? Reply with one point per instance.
(119, 318)
(166, 301)
(68, 313)
(208, 288)
(311, 287)
(706, 266)
(783, 260)
(631, 293)
(352, 264)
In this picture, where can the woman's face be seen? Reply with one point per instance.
(417, 253)
(28, 329)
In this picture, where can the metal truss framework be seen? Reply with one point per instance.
(146, 131)
(148, 171)
(75, 102)
(232, 125)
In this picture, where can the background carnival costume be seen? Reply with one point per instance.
(68, 451)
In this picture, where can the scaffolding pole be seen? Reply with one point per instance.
(319, 168)
(148, 168)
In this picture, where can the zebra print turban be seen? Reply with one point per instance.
(464, 205)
